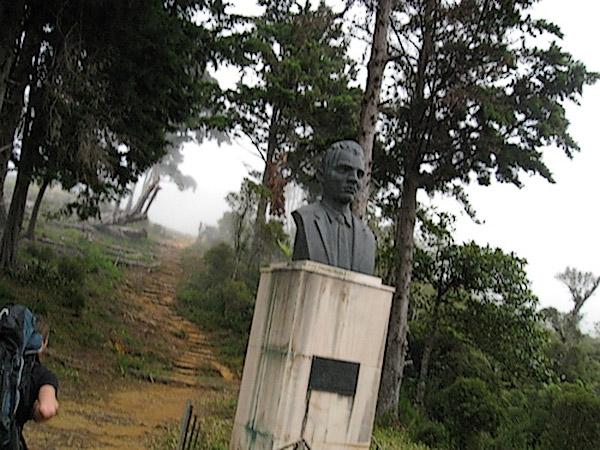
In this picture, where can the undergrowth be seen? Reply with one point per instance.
(219, 304)
(219, 300)
(68, 275)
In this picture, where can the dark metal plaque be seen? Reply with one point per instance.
(333, 375)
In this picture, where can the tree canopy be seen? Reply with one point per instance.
(102, 83)
(473, 95)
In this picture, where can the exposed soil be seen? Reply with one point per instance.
(119, 414)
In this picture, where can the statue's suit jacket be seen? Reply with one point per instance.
(315, 240)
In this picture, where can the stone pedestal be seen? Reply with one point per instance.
(314, 359)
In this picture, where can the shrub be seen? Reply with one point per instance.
(469, 410)
(220, 265)
(71, 270)
(516, 430)
(238, 306)
(430, 433)
(573, 421)
(214, 298)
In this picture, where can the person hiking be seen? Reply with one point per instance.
(41, 404)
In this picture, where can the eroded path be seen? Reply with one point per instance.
(132, 416)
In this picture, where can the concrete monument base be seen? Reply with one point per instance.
(314, 359)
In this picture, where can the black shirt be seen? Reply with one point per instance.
(40, 376)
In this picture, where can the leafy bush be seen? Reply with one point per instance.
(71, 270)
(220, 265)
(390, 437)
(64, 276)
(573, 420)
(237, 302)
(228, 305)
(430, 433)
(220, 299)
(469, 411)
(516, 429)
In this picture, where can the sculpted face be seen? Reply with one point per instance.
(342, 175)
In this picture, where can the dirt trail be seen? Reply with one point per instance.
(130, 417)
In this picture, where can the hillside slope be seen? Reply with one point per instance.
(130, 412)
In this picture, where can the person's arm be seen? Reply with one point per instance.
(46, 405)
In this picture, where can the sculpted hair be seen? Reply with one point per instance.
(330, 156)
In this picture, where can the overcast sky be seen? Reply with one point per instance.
(550, 225)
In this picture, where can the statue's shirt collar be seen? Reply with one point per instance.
(344, 217)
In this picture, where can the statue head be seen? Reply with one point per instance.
(341, 172)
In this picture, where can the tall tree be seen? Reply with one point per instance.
(581, 286)
(369, 111)
(473, 95)
(294, 96)
(483, 295)
(12, 14)
(112, 78)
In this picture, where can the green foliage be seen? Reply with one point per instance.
(114, 77)
(518, 429)
(275, 243)
(70, 278)
(238, 223)
(478, 307)
(490, 358)
(460, 87)
(64, 275)
(219, 263)
(73, 284)
(573, 420)
(390, 437)
(212, 298)
(430, 433)
(7, 293)
(233, 303)
(296, 100)
(470, 412)
(248, 236)
(471, 95)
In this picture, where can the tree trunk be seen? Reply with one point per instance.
(424, 371)
(117, 209)
(370, 104)
(12, 13)
(14, 222)
(397, 344)
(397, 341)
(5, 155)
(129, 204)
(11, 112)
(34, 126)
(263, 201)
(9, 118)
(151, 200)
(150, 184)
(426, 357)
(36, 209)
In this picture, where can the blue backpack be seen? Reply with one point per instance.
(19, 343)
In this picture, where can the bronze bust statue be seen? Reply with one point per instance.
(327, 231)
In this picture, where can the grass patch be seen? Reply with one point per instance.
(393, 438)
(210, 297)
(68, 275)
(215, 424)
